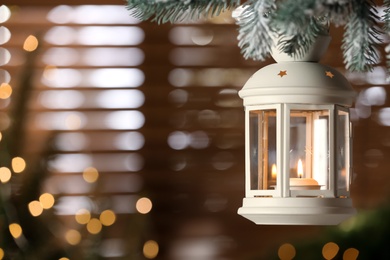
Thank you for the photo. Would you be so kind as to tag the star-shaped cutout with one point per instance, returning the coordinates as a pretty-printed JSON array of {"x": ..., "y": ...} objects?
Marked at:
[
  {"x": 282, "y": 73},
  {"x": 329, "y": 74}
]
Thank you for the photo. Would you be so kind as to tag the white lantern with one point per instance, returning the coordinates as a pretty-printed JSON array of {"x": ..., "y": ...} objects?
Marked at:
[{"x": 298, "y": 142}]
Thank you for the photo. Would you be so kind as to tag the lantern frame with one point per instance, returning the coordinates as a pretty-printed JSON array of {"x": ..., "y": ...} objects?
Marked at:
[
  {"x": 298, "y": 86},
  {"x": 282, "y": 186}
]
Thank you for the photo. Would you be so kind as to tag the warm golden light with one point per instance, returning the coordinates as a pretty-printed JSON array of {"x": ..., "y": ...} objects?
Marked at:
[
  {"x": 286, "y": 252},
  {"x": 5, "y": 91},
  {"x": 150, "y": 249},
  {"x": 73, "y": 237},
  {"x": 5, "y": 174},
  {"x": 64, "y": 258},
  {"x": 144, "y": 205},
  {"x": 15, "y": 230},
  {"x": 94, "y": 226},
  {"x": 330, "y": 250},
  {"x": 35, "y": 208},
  {"x": 18, "y": 164},
  {"x": 83, "y": 216},
  {"x": 31, "y": 43},
  {"x": 300, "y": 169},
  {"x": 107, "y": 217},
  {"x": 273, "y": 171},
  {"x": 351, "y": 254},
  {"x": 90, "y": 174},
  {"x": 1, "y": 253},
  {"x": 1, "y": 136},
  {"x": 47, "y": 200}
]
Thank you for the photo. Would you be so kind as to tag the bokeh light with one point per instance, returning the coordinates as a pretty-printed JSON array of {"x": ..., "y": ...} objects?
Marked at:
[
  {"x": 107, "y": 217},
  {"x": 94, "y": 226},
  {"x": 150, "y": 249},
  {"x": 5, "y": 34},
  {"x": 31, "y": 43},
  {"x": 5, "y": 90},
  {"x": 47, "y": 200},
  {"x": 73, "y": 237},
  {"x": 15, "y": 229},
  {"x": 286, "y": 252},
  {"x": 5, "y": 13},
  {"x": 5, "y": 55},
  {"x": 18, "y": 164},
  {"x": 5, "y": 174},
  {"x": 330, "y": 250},
  {"x": 1, "y": 253},
  {"x": 35, "y": 208},
  {"x": 351, "y": 254},
  {"x": 83, "y": 216},
  {"x": 144, "y": 205},
  {"x": 90, "y": 174}
]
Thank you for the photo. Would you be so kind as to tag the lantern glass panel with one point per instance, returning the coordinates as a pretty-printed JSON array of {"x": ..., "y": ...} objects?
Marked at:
[
  {"x": 309, "y": 148},
  {"x": 343, "y": 149},
  {"x": 262, "y": 134}
]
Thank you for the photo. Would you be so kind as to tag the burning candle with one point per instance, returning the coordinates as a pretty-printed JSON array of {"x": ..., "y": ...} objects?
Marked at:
[
  {"x": 273, "y": 171},
  {"x": 301, "y": 183}
]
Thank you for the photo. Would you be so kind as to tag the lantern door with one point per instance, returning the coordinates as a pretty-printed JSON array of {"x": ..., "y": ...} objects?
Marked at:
[
  {"x": 261, "y": 169},
  {"x": 309, "y": 148}
]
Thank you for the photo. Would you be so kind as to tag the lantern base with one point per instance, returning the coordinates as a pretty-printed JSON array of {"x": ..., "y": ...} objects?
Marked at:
[{"x": 297, "y": 211}]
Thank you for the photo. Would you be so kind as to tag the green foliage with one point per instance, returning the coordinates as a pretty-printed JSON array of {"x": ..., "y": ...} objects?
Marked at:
[
  {"x": 297, "y": 28},
  {"x": 361, "y": 36},
  {"x": 386, "y": 27},
  {"x": 255, "y": 33},
  {"x": 163, "y": 11},
  {"x": 299, "y": 22}
]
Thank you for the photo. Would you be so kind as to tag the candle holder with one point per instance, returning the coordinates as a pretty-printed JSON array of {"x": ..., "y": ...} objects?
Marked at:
[{"x": 298, "y": 142}]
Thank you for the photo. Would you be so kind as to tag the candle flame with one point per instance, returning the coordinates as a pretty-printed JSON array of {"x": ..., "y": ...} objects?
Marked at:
[
  {"x": 300, "y": 169},
  {"x": 273, "y": 171}
]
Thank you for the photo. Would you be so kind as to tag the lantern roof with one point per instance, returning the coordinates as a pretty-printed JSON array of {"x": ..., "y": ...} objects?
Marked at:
[{"x": 297, "y": 82}]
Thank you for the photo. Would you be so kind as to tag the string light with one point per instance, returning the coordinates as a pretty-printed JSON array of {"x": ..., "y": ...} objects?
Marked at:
[
  {"x": 18, "y": 164},
  {"x": 91, "y": 174},
  {"x": 107, "y": 218},
  {"x": 73, "y": 237},
  {"x": 15, "y": 229},
  {"x": 5, "y": 90},
  {"x": 94, "y": 226},
  {"x": 150, "y": 249},
  {"x": 351, "y": 254},
  {"x": 31, "y": 43},
  {"x": 286, "y": 252},
  {"x": 330, "y": 250},
  {"x": 83, "y": 216},
  {"x": 47, "y": 200},
  {"x": 144, "y": 205},
  {"x": 5, "y": 174},
  {"x": 35, "y": 208}
]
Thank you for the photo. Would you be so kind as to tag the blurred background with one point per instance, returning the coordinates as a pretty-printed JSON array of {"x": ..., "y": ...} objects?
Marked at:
[{"x": 133, "y": 138}]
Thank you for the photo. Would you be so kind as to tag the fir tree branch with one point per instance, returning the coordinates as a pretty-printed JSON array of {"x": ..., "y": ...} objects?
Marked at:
[
  {"x": 163, "y": 11},
  {"x": 386, "y": 27},
  {"x": 360, "y": 37},
  {"x": 386, "y": 16},
  {"x": 255, "y": 34},
  {"x": 298, "y": 28},
  {"x": 336, "y": 11}
]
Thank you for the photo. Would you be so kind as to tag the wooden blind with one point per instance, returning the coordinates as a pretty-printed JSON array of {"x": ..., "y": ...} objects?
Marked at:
[{"x": 154, "y": 110}]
